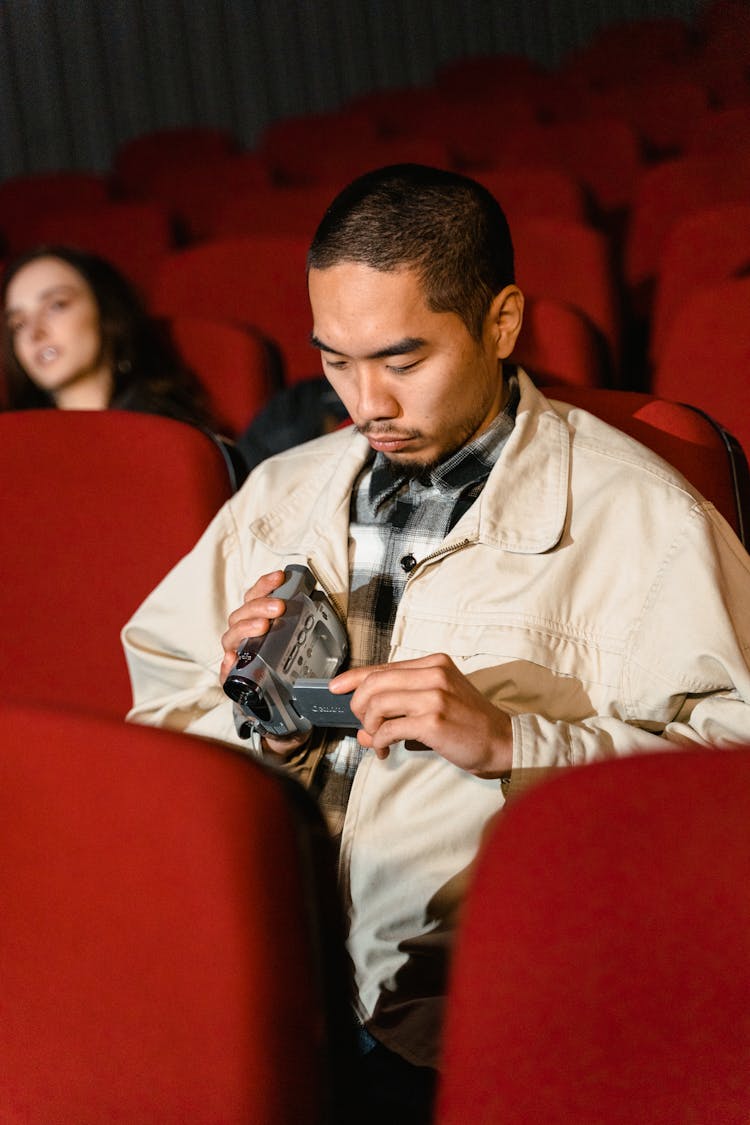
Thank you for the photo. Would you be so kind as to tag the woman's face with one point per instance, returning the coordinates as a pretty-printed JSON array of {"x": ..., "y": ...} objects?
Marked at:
[{"x": 53, "y": 320}]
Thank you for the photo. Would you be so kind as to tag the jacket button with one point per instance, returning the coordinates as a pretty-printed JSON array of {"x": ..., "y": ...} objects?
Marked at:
[{"x": 408, "y": 562}]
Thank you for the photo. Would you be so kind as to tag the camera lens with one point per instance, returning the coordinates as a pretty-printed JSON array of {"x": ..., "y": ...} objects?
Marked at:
[{"x": 249, "y": 697}]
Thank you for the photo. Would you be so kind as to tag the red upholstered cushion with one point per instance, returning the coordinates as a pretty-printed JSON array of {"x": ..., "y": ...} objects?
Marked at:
[
  {"x": 602, "y": 968},
  {"x": 96, "y": 507},
  {"x": 158, "y": 935},
  {"x": 689, "y": 440}
]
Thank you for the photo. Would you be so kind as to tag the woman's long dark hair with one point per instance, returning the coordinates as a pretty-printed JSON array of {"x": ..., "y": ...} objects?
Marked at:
[{"x": 149, "y": 374}]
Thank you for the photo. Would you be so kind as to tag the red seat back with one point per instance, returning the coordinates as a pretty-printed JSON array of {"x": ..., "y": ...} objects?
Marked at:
[
  {"x": 661, "y": 108},
  {"x": 706, "y": 356},
  {"x": 602, "y": 153},
  {"x": 296, "y": 148},
  {"x": 257, "y": 280},
  {"x": 690, "y": 440},
  {"x": 156, "y": 967},
  {"x": 668, "y": 191},
  {"x": 193, "y": 191},
  {"x": 536, "y": 191},
  {"x": 24, "y": 199},
  {"x": 601, "y": 972},
  {"x": 558, "y": 343},
  {"x": 133, "y": 235},
  {"x": 345, "y": 164},
  {"x": 142, "y": 157},
  {"x": 721, "y": 130},
  {"x": 467, "y": 127},
  {"x": 98, "y": 506},
  {"x": 232, "y": 364},
  {"x": 272, "y": 210},
  {"x": 571, "y": 262},
  {"x": 703, "y": 247},
  {"x": 475, "y": 76}
]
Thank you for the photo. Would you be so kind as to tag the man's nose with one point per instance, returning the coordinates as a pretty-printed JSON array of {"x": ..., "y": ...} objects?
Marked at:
[{"x": 375, "y": 399}]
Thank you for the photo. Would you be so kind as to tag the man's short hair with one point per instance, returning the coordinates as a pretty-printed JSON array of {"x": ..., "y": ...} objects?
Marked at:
[{"x": 446, "y": 226}]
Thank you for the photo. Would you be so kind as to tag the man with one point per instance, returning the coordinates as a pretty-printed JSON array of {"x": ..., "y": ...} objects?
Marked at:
[{"x": 523, "y": 588}]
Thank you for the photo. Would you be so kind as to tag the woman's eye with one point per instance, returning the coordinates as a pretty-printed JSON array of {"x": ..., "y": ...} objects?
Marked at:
[{"x": 14, "y": 326}]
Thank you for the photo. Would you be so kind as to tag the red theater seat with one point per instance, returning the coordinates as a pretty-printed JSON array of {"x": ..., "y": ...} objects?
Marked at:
[
  {"x": 667, "y": 192},
  {"x": 23, "y": 199},
  {"x": 131, "y": 234},
  {"x": 271, "y": 210},
  {"x": 601, "y": 971},
  {"x": 559, "y": 343},
  {"x": 570, "y": 262},
  {"x": 603, "y": 153},
  {"x": 233, "y": 365},
  {"x": 704, "y": 247},
  {"x": 142, "y": 157},
  {"x": 98, "y": 506},
  {"x": 691, "y": 441},
  {"x": 168, "y": 935},
  {"x": 253, "y": 280},
  {"x": 706, "y": 355}
]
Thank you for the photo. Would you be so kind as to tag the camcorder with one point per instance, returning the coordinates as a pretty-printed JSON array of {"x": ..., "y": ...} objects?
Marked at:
[{"x": 279, "y": 681}]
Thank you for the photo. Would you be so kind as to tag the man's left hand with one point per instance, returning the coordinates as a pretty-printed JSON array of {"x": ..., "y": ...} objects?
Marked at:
[{"x": 429, "y": 704}]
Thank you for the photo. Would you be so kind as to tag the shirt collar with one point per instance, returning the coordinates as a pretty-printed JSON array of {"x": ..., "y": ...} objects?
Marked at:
[{"x": 469, "y": 465}]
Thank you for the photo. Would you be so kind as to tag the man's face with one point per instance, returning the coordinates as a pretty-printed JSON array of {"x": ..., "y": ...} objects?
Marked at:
[{"x": 415, "y": 382}]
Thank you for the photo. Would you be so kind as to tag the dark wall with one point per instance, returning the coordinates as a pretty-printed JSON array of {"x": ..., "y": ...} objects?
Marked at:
[{"x": 78, "y": 77}]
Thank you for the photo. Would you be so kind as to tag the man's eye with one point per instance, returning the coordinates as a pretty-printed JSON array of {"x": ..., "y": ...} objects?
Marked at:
[
  {"x": 336, "y": 364},
  {"x": 401, "y": 369}
]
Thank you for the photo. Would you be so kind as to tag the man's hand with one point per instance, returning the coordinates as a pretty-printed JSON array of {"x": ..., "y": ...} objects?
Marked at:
[
  {"x": 254, "y": 619},
  {"x": 430, "y": 705}
]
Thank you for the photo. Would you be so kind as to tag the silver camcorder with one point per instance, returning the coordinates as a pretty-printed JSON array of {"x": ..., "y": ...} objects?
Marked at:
[{"x": 279, "y": 681}]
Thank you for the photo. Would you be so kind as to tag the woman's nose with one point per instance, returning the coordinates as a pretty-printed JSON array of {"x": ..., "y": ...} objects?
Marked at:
[{"x": 38, "y": 327}]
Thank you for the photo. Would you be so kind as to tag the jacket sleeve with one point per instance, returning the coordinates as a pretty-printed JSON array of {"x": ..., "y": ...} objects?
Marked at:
[
  {"x": 173, "y": 641},
  {"x": 685, "y": 677}
]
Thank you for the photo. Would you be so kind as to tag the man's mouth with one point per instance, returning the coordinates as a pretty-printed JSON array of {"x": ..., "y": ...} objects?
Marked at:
[{"x": 388, "y": 443}]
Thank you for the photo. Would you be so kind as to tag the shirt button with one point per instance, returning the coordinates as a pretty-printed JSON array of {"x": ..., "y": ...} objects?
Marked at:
[{"x": 408, "y": 562}]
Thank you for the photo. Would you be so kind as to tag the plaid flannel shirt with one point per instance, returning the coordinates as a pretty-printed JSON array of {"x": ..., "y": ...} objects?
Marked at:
[{"x": 396, "y": 519}]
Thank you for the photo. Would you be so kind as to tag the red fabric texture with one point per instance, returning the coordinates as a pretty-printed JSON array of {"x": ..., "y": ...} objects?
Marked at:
[
  {"x": 601, "y": 973},
  {"x": 254, "y": 279},
  {"x": 158, "y": 956},
  {"x": 98, "y": 506},
  {"x": 233, "y": 365},
  {"x": 680, "y": 434},
  {"x": 706, "y": 355}
]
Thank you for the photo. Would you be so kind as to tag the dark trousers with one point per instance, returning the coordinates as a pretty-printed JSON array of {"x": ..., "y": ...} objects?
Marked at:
[{"x": 387, "y": 1090}]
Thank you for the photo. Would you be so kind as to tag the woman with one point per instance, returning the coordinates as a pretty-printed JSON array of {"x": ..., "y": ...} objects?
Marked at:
[{"x": 78, "y": 337}]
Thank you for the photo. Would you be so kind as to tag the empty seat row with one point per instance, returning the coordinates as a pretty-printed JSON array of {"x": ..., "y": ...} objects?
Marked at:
[
  {"x": 140, "y": 905},
  {"x": 139, "y": 899},
  {"x": 239, "y": 313}
]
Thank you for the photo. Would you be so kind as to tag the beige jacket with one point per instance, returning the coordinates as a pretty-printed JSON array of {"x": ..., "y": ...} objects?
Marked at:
[{"x": 589, "y": 591}]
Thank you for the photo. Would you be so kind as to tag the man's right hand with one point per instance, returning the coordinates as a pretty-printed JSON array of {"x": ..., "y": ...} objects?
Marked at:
[{"x": 254, "y": 619}]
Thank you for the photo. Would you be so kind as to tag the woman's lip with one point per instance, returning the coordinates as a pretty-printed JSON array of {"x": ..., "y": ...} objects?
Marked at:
[{"x": 47, "y": 354}]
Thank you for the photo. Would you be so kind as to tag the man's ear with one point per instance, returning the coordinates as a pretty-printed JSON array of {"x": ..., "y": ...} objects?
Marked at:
[{"x": 505, "y": 318}]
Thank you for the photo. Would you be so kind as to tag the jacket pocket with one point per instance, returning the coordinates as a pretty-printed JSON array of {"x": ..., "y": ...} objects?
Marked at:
[{"x": 525, "y": 665}]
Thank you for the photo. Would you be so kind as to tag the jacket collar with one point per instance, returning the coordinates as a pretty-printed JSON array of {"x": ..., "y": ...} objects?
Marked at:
[
  {"x": 524, "y": 505},
  {"x": 522, "y": 508}
]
